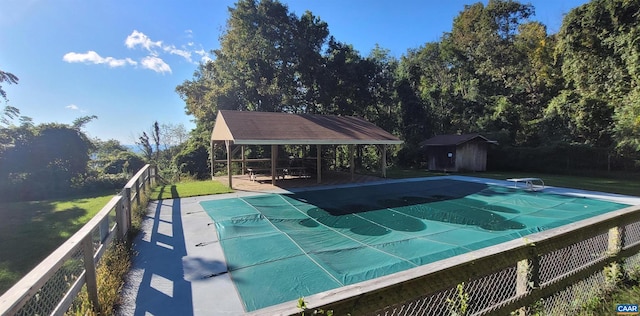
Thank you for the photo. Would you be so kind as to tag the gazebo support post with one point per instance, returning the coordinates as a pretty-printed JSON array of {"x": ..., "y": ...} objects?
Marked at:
[
  {"x": 212, "y": 158},
  {"x": 319, "y": 163},
  {"x": 244, "y": 160},
  {"x": 274, "y": 161},
  {"x": 227, "y": 144},
  {"x": 352, "y": 166},
  {"x": 383, "y": 149}
]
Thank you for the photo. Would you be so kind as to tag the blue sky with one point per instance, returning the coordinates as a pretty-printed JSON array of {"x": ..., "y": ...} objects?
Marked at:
[{"x": 122, "y": 59}]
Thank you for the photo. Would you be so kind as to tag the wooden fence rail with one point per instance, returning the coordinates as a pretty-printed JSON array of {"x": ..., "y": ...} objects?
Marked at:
[{"x": 51, "y": 287}]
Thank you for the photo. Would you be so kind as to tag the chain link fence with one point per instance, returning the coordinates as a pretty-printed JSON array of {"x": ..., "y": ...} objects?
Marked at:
[
  {"x": 554, "y": 272},
  {"x": 574, "y": 274},
  {"x": 50, "y": 288},
  {"x": 47, "y": 298}
]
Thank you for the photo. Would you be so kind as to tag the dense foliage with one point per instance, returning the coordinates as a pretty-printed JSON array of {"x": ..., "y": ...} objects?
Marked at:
[
  {"x": 561, "y": 101},
  {"x": 498, "y": 72}
]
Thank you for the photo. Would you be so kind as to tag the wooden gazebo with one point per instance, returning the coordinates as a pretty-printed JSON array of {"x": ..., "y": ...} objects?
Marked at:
[{"x": 275, "y": 128}]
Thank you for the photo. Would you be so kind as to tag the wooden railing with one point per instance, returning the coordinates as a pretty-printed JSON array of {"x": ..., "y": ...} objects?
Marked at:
[{"x": 50, "y": 288}]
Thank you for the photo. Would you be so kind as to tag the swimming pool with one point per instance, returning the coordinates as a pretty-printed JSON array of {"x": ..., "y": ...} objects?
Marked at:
[{"x": 280, "y": 247}]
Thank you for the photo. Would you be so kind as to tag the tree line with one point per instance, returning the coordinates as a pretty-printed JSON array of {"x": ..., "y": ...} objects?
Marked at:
[
  {"x": 569, "y": 100},
  {"x": 498, "y": 72},
  {"x": 54, "y": 160}
]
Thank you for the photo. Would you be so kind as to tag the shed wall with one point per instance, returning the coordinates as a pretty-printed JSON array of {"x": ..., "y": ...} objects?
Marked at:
[
  {"x": 438, "y": 158},
  {"x": 472, "y": 156}
]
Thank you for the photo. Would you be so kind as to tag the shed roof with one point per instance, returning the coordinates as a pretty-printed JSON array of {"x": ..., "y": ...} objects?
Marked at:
[
  {"x": 275, "y": 128},
  {"x": 452, "y": 140}
]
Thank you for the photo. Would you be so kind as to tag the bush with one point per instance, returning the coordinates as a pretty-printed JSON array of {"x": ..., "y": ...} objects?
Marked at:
[
  {"x": 96, "y": 183},
  {"x": 557, "y": 158},
  {"x": 410, "y": 157},
  {"x": 46, "y": 185},
  {"x": 193, "y": 160}
]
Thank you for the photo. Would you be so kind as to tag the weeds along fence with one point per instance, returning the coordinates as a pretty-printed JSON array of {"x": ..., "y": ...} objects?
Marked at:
[
  {"x": 555, "y": 272},
  {"x": 51, "y": 287}
]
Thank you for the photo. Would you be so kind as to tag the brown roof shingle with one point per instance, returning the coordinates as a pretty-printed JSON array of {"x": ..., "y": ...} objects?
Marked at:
[
  {"x": 451, "y": 140},
  {"x": 255, "y": 128}
]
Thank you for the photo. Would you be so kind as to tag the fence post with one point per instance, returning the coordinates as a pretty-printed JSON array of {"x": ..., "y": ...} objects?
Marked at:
[
  {"x": 127, "y": 202},
  {"x": 90, "y": 272},
  {"x": 528, "y": 276},
  {"x": 155, "y": 175},
  {"x": 615, "y": 241},
  {"x": 121, "y": 220},
  {"x": 137, "y": 186}
]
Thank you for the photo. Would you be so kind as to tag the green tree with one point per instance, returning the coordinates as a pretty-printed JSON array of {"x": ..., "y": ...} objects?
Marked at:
[
  {"x": 269, "y": 60},
  {"x": 8, "y": 112},
  {"x": 193, "y": 157},
  {"x": 597, "y": 45},
  {"x": 44, "y": 161},
  {"x": 111, "y": 157},
  {"x": 383, "y": 110},
  {"x": 486, "y": 51}
]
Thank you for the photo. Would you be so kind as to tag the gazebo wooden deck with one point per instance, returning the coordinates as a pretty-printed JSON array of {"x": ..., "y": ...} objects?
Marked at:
[{"x": 264, "y": 184}]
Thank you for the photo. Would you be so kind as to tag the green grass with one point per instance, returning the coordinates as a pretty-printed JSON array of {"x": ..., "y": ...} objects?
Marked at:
[
  {"x": 187, "y": 189},
  {"x": 614, "y": 184},
  {"x": 30, "y": 231},
  {"x": 610, "y": 183}
]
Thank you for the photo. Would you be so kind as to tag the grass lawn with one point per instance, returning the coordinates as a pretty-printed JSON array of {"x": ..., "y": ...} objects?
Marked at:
[
  {"x": 621, "y": 184},
  {"x": 30, "y": 231},
  {"x": 611, "y": 183},
  {"x": 186, "y": 189}
]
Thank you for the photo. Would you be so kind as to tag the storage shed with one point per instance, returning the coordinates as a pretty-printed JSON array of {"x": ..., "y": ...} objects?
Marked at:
[{"x": 467, "y": 152}]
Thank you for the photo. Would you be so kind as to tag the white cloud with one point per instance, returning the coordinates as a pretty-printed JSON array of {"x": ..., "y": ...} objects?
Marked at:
[
  {"x": 180, "y": 52},
  {"x": 140, "y": 39},
  {"x": 92, "y": 57},
  {"x": 156, "y": 64},
  {"x": 204, "y": 57},
  {"x": 152, "y": 61},
  {"x": 74, "y": 107}
]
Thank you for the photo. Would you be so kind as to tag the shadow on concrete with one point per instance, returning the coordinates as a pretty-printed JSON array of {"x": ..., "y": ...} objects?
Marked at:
[{"x": 163, "y": 289}]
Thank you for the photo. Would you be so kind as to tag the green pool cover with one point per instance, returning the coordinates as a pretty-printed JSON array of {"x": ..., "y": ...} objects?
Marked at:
[{"x": 280, "y": 247}]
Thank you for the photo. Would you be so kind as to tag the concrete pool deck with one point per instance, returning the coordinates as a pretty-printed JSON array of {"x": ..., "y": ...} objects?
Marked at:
[{"x": 180, "y": 268}]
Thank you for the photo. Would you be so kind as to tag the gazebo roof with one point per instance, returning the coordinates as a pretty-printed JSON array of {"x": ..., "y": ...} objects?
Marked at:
[{"x": 275, "y": 128}]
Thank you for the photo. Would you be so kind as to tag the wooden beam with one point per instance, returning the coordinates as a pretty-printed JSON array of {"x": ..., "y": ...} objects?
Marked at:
[
  {"x": 319, "y": 163},
  {"x": 228, "y": 146}
]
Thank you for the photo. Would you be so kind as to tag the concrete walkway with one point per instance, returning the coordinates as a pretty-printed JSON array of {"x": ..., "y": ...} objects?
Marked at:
[{"x": 179, "y": 267}]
